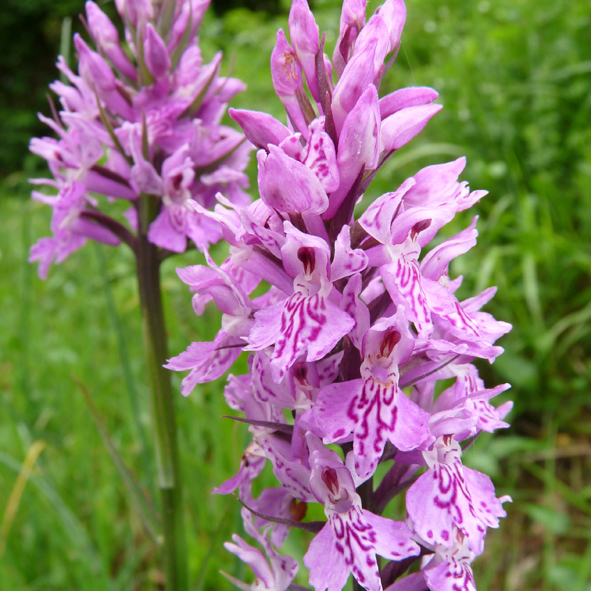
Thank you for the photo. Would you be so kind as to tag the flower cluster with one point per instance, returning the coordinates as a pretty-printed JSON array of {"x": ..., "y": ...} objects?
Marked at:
[
  {"x": 141, "y": 118},
  {"x": 355, "y": 329}
]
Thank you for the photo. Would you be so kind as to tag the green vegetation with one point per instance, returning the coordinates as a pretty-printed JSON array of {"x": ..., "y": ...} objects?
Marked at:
[{"x": 514, "y": 77}]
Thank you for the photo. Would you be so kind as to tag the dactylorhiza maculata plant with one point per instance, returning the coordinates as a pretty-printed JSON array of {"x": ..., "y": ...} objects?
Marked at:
[
  {"x": 355, "y": 330},
  {"x": 140, "y": 123}
]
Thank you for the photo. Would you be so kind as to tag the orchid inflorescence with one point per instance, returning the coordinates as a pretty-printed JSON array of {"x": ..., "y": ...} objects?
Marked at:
[
  {"x": 140, "y": 118},
  {"x": 355, "y": 329}
]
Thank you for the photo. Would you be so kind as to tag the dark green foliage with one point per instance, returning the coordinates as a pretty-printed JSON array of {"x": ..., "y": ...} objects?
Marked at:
[
  {"x": 29, "y": 43},
  {"x": 514, "y": 78}
]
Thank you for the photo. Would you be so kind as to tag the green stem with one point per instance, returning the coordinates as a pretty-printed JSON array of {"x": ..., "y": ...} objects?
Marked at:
[{"x": 162, "y": 404}]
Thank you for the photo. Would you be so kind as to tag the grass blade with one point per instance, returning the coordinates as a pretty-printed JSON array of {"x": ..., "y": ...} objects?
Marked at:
[
  {"x": 17, "y": 492},
  {"x": 142, "y": 503},
  {"x": 74, "y": 530},
  {"x": 125, "y": 365}
]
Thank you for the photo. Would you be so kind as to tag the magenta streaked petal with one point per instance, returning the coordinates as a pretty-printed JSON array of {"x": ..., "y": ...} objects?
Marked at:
[
  {"x": 255, "y": 559},
  {"x": 431, "y": 502},
  {"x": 436, "y": 262},
  {"x": 377, "y": 218},
  {"x": 450, "y": 315},
  {"x": 267, "y": 327},
  {"x": 292, "y": 474},
  {"x": 311, "y": 325},
  {"x": 435, "y": 184},
  {"x": 346, "y": 261},
  {"x": 449, "y": 576},
  {"x": 326, "y": 562},
  {"x": 392, "y": 538},
  {"x": 207, "y": 361},
  {"x": 332, "y": 414},
  {"x": 319, "y": 156},
  {"x": 487, "y": 507},
  {"x": 384, "y": 413},
  {"x": 402, "y": 279}
]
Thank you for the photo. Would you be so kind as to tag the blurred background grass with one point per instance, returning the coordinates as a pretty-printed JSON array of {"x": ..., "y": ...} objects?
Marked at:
[{"x": 514, "y": 77}]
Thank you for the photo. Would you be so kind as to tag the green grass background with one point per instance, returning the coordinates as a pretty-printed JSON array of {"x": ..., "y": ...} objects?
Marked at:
[{"x": 514, "y": 77}]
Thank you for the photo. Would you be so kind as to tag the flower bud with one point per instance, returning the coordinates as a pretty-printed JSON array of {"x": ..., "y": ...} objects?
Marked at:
[
  {"x": 359, "y": 146},
  {"x": 93, "y": 68},
  {"x": 260, "y": 129},
  {"x": 356, "y": 78},
  {"x": 402, "y": 126},
  {"x": 394, "y": 14},
  {"x": 288, "y": 185},
  {"x": 286, "y": 72},
  {"x": 106, "y": 37},
  {"x": 352, "y": 21},
  {"x": 406, "y": 97},
  {"x": 304, "y": 34},
  {"x": 375, "y": 32},
  {"x": 155, "y": 53},
  {"x": 138, "y": 12}
]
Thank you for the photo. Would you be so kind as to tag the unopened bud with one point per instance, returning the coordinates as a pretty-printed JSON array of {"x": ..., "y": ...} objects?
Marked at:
[
  {"x": 155, "y": 53},
  {"x": 93, "y": 68}
]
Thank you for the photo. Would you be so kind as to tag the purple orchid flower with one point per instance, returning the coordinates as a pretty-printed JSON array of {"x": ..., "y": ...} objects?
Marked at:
[
  {"x": 448, "y": 570},
  {"x": 353, "y": 536},
  {"x": 301, "y": 323},
  {"x": 449, "y": 494},
  {"x": 273, "y": 571},
  {"x": 373, "y": 407}
]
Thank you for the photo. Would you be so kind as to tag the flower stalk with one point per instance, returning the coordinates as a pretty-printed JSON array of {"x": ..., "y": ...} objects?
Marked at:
[{"x": 162, "y": 406}]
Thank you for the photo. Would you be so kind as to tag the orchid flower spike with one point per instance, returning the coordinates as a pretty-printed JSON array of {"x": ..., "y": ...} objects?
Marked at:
[{"x": 353, "y": 324}]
